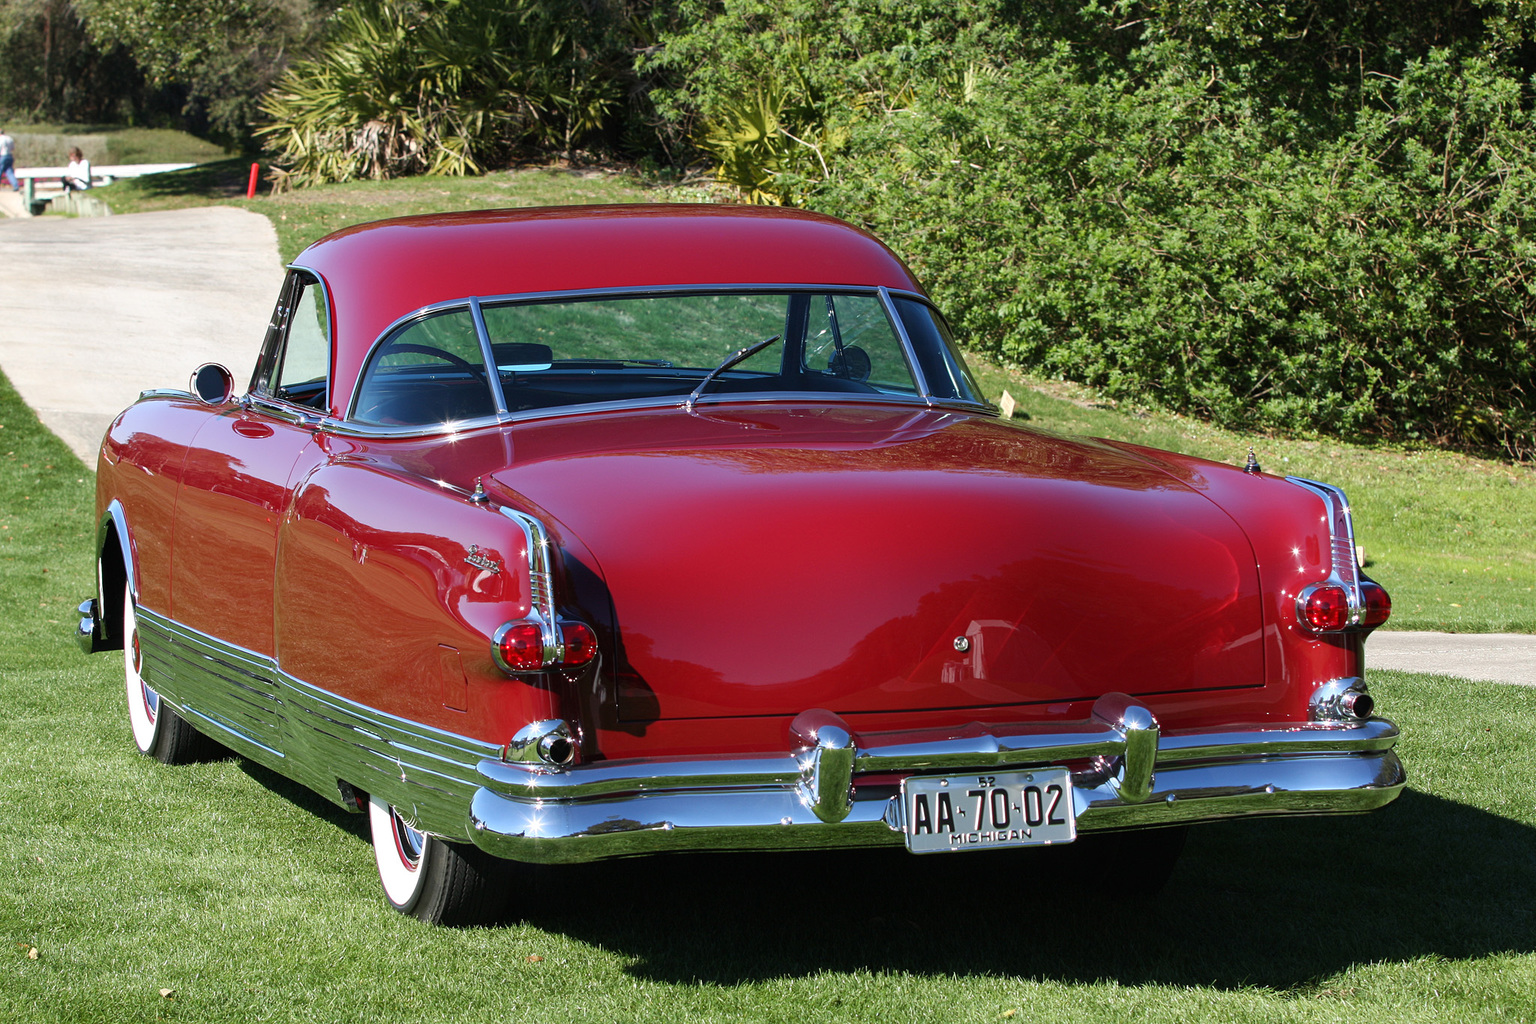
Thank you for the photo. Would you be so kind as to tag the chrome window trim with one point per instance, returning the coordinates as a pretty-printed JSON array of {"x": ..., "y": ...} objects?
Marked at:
[
  {"x": 347, "y": 428},
  {"x": 894, "y": 316},
  {"x": 281, "y": 409},
  {"x": 1344, "y": 569},
  {"x": 269, "y": 397},
  {"x": 488, "y": 357},
  {"x": 474, "y": 304}
]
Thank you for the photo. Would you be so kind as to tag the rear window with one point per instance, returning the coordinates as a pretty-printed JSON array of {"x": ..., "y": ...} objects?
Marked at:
[{"x": 546, "y": 354}]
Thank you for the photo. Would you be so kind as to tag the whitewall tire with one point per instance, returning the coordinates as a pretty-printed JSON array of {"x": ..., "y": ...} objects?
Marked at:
[
  {"x": 158, "y": 730},
  {"x": 433, "y": 880}
]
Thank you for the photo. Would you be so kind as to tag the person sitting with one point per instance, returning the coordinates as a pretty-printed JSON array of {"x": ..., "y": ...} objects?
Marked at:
[{"x": 77, "y": 176}]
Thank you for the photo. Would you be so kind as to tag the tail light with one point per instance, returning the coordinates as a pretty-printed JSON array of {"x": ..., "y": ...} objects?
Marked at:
[
  {"x": 519, "y": 647},
  {"x": 1346, "y": 600},
  {"x": 527, "y": 645},
  {"x": 580, "y": 643},
  {"x": 1323, "y": 609},
  {"x": 1378, "y": 604}
]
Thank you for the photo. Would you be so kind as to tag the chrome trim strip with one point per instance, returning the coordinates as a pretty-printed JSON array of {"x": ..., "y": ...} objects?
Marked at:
[
  {"x": 310, "y": 735},
  {"x": 116, "y": 515},
  {"x": 345, "y": 428}
]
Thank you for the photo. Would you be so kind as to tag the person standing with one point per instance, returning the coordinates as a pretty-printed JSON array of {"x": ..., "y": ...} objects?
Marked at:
[
  {"x": 8, "y": 160},
  {"x": 77, "y": 176}
]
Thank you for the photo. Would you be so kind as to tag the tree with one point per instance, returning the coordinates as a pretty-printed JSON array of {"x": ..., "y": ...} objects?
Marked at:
[{"x": 221, "y": 55}]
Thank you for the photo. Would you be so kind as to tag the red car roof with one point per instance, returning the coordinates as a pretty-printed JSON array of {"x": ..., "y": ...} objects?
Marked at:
[{"x": 377, "y": 273}]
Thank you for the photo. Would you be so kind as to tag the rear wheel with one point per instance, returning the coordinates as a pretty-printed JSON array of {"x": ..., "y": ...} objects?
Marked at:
[
  {"x": 157, "y": 730},
  {"x": 432, "y": 880}
]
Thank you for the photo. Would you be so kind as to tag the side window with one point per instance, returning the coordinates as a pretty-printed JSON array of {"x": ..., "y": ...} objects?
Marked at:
[
  {"x": 307, "y": 355},
  {"x": 430, "y": 371},
  {"x": 943, "y": 365},
  {"x": 295, "y": 360},
  {"x": 849, "y": 336}
]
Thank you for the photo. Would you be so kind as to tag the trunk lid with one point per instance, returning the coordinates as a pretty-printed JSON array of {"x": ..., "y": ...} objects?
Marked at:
[{"x": 863, "y": 558}]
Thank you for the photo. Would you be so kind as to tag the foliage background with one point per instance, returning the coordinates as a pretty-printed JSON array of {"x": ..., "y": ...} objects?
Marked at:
[{"x": 1306, "y": 216}]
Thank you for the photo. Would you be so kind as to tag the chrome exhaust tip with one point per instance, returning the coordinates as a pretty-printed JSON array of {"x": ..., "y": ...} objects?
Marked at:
[{"x": 1342, "y": 700}]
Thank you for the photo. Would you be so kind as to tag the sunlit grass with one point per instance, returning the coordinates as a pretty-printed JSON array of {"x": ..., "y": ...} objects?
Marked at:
[{"x": 301, "y": 216}]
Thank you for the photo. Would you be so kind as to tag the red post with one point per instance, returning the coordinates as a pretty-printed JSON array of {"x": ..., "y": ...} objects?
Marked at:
[{"x": 250, "y": 190}]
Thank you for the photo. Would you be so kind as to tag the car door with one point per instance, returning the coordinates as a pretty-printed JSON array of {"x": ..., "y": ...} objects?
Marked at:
[{"x": 239, "y": 476}]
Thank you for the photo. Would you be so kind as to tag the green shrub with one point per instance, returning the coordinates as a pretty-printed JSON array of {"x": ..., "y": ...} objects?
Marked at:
[
  {"x": 438, "y": 87},
  {"x": 1162, "y": 244},
  {"x": 1188, "y": 203}
]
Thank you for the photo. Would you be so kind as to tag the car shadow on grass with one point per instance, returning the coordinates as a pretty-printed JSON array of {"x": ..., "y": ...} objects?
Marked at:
[{"x": 1273, "y": 903}]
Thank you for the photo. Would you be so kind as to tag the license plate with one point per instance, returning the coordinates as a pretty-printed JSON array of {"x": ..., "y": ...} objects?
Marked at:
[{"x": 980, "y": 812}]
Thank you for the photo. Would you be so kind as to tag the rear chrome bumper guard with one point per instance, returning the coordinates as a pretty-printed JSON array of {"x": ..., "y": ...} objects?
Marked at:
[{"x": 838, "y": 789}]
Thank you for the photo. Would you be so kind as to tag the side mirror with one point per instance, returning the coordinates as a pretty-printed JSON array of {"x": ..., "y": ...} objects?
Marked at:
[
  {"x": 213, "y": 384},
  {"x": 850, "y": 363}
]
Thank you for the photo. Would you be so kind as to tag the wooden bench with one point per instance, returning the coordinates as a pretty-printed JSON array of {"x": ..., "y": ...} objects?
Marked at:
[{"x": 106, "y": 174}]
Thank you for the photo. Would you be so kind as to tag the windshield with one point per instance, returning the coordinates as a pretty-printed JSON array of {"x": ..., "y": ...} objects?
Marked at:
[{"x": 549, "y": 354}]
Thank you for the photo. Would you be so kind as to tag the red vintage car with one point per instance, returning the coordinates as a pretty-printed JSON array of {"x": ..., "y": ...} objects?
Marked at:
[{"x": 564, "y": 534}]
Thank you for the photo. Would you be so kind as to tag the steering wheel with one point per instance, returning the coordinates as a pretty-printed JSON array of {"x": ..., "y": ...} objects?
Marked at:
[{"x": 432, "y": 350}]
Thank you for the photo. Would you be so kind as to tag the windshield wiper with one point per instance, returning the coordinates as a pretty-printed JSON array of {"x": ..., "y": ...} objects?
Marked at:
[{"x": 730, "y": 361}]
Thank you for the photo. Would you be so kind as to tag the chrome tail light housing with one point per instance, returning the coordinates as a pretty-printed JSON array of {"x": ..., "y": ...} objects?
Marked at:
[{"x": 1345, "y": 601}]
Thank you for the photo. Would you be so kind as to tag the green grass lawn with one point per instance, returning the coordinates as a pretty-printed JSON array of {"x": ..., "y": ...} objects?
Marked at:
[
  {"x": 242, "y": 897},
  {"x": 303, "y": 215}
]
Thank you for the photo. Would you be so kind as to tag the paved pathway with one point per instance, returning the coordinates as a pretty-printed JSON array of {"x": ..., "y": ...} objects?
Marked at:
[
  {"x": 1498, "y": 657},
  {"x": 95, "y": 310}
]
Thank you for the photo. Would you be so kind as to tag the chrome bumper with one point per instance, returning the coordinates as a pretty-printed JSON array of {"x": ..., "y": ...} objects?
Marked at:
[
  {"x": 838, "y": 789},
  {"x": 89, "y": 633}
]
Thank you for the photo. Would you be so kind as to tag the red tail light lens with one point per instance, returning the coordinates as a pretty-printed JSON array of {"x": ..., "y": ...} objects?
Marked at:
[
  {"x": 1323, "y": 609},
  {"x": 580, "y": 643},
  {"x": 519, "y": 647},
  {"x": 1378, "y": 604}
]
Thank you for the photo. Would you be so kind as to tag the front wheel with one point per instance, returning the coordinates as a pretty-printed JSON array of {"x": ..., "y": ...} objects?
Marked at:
[
  {"x": 432, "y": 880},
  {"x": 157, "y": 729}
]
